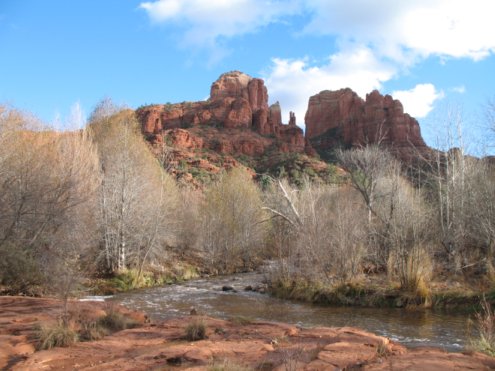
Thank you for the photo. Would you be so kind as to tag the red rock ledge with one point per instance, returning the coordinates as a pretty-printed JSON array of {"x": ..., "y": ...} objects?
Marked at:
[{"x": 256, "y": 345}]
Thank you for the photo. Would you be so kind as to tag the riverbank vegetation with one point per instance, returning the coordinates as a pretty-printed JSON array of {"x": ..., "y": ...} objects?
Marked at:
[{"x": 97, "y": 205}]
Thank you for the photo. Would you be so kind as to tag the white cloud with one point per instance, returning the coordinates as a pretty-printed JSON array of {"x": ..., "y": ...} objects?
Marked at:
[
  {"x": 402, "y": 30},
  {"x": 292, "y": 82},
  {"x": 461, "y": 89},
  {"x": 376, "y": 40},
  {"x": 418, "y": 101},
  {"x": 205, "y": 21}
]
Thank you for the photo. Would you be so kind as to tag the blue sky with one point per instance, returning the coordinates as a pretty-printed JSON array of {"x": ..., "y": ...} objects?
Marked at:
[{"x": 59, "y": 56}]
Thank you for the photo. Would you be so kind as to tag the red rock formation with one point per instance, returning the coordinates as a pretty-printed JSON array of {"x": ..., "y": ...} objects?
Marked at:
[
  {"x": 253, "y": 345},
  {"x": 342, "y": 117},
  {"x": 292, "y": 120},
  {"x": 236, "y": 120},
  {"x": 183, "y": 139},
  {"x": 237, "y": 101}
]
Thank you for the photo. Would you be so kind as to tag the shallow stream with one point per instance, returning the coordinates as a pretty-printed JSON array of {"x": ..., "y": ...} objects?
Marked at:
[{"x": 412, "y": 328}]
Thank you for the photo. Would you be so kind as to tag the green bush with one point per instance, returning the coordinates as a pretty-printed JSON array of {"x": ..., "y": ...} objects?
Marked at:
[{"x": 128, "y": 280}]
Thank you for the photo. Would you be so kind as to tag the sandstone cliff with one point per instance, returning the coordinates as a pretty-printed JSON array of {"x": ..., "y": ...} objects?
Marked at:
[
  {"x": 236, "y": 125},
  {"x": 237, "y": 101},
  {"x": 342, "y": 118}
]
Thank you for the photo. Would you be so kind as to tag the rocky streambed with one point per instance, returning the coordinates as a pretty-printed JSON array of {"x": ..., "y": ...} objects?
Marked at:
[
  {"x": 226, "y": 297},
  {"x": 229, "y": 345}
]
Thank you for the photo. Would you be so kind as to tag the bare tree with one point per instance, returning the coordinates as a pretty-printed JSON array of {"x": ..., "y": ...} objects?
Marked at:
[
  {"x": 367, "y": 166},
  {"x": 137, "y": 197},
  {"x": 348, "y": 235},
  {"x": 410, "y": 238},
  {"x": 47, "y": 185},
  {"x": 326, "y": 235},
  {"x": 479, "y": 215},
  {"x": 490, "y": 117},
  {"x": 232, "y": 232},
  {"x": 104, "y": 109},
  {"x": 375, "y": 174},
  {"x": 449, "y": 180}
]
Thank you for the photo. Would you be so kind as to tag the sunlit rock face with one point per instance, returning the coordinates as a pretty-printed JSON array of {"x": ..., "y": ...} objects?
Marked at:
[
  {"x": 237, "y": 120},
  {"x": 342, "y": 118},
  {"x": 237, "y": 101}
]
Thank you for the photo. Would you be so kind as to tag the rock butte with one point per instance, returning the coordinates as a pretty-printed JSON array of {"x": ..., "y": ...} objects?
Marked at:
[
  {"x": 238, "y": 111},
  {"x": 342, "y": 118},
  {"x": 258, "y": 345},
  {"x": 240, "y": 121}
]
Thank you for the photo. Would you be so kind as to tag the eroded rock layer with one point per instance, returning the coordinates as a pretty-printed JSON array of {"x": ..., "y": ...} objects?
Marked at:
[
  {"x": 237, "y": 102},
  {"x": 237, "y": 125},
  {"x": 342, "y": 118}
]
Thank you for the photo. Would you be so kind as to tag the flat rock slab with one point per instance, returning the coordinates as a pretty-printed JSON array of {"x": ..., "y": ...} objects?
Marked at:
[{"x": 256, "y": 345}]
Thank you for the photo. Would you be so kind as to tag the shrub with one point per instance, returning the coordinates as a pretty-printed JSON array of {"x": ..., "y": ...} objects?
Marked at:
[
  {"x": 115, "y": 321},
  {"x": 231, "y": 231},
  {"x": 124, "y": 280},
  {"x": 414, "y": 271},
  {"x": 382, "y": 349},
  {"x": 18, "y": 270},
  {"x": 91, "y": 331},
  {"x": 485, "y": 326},
  {"x": 196, "y": 330},
  {"x": 57, "y": 335}
]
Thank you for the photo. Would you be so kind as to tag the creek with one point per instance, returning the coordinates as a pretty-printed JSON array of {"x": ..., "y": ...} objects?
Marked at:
[{"x": 412, "y": 328}]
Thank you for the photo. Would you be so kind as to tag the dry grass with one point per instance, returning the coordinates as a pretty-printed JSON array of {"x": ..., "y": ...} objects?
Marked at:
[
  {"x": 485, "y": 327},
  {"x": 115, "y": 321},
  {"x": 414, "y": 271},
  {"x": 227, "y": 365},
  {"x": 382, "y": 349},
  {"x": 196, "y": 330},
  {"x": 241, "y": 320},
  {"x": 56, "y": 335},
  {"x": 91, "y": 331}
]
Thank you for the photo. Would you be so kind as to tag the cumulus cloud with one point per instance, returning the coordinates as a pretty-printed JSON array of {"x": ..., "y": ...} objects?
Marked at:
[
  {"x": 374, "y": 40},
  {"x": 407, "y": 29},
  {"x": 205, "y": 21},
  {"x": 418, "y": 101},
  {"x": 401, "y": 30},
  {"x": 292, "y": 82}
]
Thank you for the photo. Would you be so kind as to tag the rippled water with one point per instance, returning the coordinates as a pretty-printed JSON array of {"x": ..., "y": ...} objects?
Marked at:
[{"x": 412, "y": 328}]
